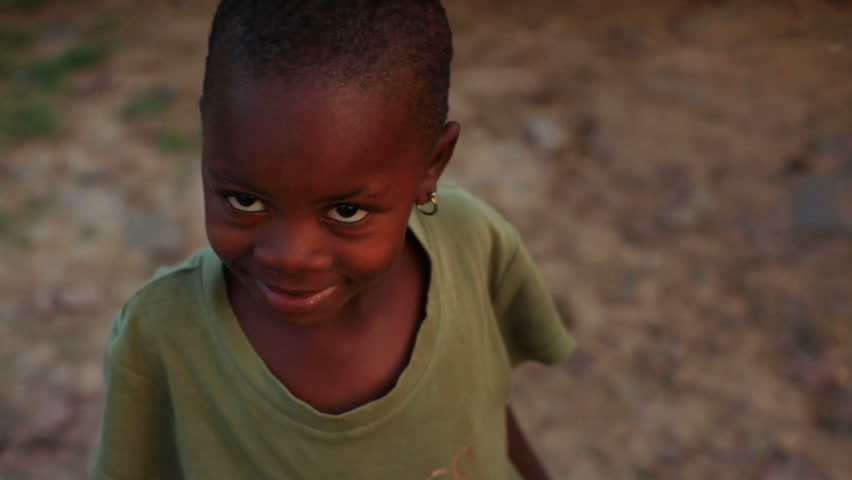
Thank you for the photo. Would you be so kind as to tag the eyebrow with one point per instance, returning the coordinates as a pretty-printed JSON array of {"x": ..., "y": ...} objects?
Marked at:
[
  {"x": 224, "y": 176},
  {"x": 362, "y": 190}
]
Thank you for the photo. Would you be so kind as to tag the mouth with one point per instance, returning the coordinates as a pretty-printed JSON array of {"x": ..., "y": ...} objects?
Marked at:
[{"x": 295, "y": 301}]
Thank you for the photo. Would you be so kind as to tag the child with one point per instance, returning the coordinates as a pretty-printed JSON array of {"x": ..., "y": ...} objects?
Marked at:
[{"x": 331, "y": 331}]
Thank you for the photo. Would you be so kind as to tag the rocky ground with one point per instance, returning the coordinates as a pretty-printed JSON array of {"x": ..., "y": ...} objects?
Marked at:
[{"x": 681, "y": 171}]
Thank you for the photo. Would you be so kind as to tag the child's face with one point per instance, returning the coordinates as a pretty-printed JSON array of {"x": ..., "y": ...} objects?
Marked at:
[{"x": 308, "y": 190}]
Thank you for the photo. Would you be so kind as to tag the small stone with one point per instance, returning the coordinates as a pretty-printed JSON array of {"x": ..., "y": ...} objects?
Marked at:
[
  {"x": 8, "y": 414},
  {"x": 49, "y": 421},
  {"x": 42, "y": 300},
  {"x": 82, "y": 166},
  {"x": 518, "y": 173},
  {"x": 81, "y": 298},
  {"x": 680, "y": 218},
  {"x": 154, "y": 232},
  {"x": 624, "y": 41},
  {"x": 497, "y": 81},
  {"x": 789, "y": 441},
  {"x": 689, "y": 212},
  {"x": 511, "y": 154},
  {"x": 90, "y": 380},
  {"x": 33, "y": 359},
  {"x": 544, "y": 134},
  {"x": 835, "y": 47},
  {"x": 815, "y": 206}
]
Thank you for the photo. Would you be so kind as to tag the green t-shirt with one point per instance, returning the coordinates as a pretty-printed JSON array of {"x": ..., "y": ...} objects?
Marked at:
[{"x": 188, "y": 397}]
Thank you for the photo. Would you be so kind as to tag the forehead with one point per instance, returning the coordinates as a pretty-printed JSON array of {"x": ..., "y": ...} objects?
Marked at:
[{"x": 273, "y": 126}]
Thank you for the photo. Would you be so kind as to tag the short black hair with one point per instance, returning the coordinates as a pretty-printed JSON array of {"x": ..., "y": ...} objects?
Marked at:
[{"x": 341, "y": 41}]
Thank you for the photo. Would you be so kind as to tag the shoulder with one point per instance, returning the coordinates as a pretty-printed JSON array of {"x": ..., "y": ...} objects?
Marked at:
[
  {"x": 166, "y": 303},
  {"x": 472, "y": 235},
  {"x": 469, "y": 219},
  {"x": 170, "y": 287}
]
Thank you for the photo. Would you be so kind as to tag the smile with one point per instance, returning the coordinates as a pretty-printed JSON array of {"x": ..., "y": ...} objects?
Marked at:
[{"x": 292, "y": 301}]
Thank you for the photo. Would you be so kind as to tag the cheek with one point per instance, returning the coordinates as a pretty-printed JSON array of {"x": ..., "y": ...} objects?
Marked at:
[
  {"x": 367, "y": 265},
  {"x": 369, "y": 259},
  {"x": 228, "y": 242}
]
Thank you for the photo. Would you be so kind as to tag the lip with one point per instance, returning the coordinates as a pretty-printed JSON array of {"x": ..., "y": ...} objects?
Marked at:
[{"x": 295, "y": 301}]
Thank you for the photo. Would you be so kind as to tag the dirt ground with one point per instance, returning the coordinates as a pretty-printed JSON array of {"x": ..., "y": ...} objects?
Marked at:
[{"x": 680, "y": 170}]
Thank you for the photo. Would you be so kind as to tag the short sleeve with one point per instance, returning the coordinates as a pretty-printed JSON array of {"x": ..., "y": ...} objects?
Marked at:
[
  {"x": 135, "y": 437},
  {"x": 531, "y": 325}
]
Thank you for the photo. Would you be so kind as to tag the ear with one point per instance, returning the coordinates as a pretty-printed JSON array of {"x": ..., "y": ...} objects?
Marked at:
[{"x": 441, "y": 154}]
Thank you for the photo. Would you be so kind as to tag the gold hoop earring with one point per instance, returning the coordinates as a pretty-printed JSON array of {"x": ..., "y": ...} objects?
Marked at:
[{"x": 433, "y": 199}]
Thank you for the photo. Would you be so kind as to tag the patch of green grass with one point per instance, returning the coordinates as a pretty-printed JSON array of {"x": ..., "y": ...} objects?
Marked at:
[
  {"x": 23, "y": 120},
  {"x": 5, "y": 221},
  {"x": 11, "y": 232},
  {"x": 27, "y": 108},
  {"x": 104, "y": 23},
  {"x": 88, "y": 233},
  {"x": 51, "y": 72},
  {"x": 148, "y": 102},
  {"x": 15, "y": 225},
  {"x": 31, "y": 87},
  {"x": 23, "y": 5},
  {"x": 807, "y": 333},
  {"x": 172, "y": 140},
  {"x": 12, "y": 38},
  {"x": 12, "y": 42},
  {"x": 35, "y": 207},
  {"x": 7, "y": 64}
]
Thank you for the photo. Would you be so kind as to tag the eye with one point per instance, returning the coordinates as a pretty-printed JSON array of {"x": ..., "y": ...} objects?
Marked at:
[
  {"x": 245, "y": 202},
  {"x": 347, "y": 213}
]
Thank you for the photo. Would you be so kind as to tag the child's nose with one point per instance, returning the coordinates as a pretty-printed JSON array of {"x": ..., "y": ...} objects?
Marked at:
[{"x": 292, "y": 247}]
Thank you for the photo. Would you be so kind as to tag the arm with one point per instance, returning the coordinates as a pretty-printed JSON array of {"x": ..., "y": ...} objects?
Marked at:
[
  {"x": 520, "y": 452},
  {"x": 134, "y": 441},
  {"x": 136, "y": 432}
]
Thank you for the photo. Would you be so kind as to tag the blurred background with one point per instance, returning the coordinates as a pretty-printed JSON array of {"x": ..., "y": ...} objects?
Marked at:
[{"x": 681, "y": 171}]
